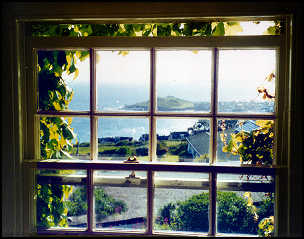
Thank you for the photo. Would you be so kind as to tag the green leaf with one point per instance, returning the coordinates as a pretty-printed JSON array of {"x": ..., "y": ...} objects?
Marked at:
[{"x": 219, "y": 30}]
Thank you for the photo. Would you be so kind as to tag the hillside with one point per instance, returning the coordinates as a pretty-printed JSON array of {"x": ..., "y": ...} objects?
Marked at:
[{"x": 169, "y": 103}]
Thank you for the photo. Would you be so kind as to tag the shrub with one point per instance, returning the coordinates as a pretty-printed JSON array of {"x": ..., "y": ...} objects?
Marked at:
[
  {"x": 161, "y": 149},
  {"x": 192, "y": 214},
  {"x": 142, "y": 151},
  {"x": 180, "y": 150},
  {"x": 85, "y": 144},
  {"x": 233, "y": 214},
  {"x": 105, "y": 205}
]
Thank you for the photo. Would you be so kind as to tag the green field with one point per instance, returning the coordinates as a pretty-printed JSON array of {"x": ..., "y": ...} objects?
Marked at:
[{"x": 112, "y": 151}]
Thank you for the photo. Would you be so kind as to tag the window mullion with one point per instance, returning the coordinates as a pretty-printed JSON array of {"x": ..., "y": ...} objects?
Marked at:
[
  {"x": 152, "y": 141},
  {"x": 152, "y": 106},
  {"x": 212, "y": 203},
  {"x": 214, "y": 101},
  {"x": 213, "y": 134},
  {"x": 94, "y": 145},
  {"x": 93, "y": 97}
]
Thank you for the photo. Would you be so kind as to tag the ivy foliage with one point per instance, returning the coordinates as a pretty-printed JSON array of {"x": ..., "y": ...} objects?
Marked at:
[{"x": 254, "y": 147}]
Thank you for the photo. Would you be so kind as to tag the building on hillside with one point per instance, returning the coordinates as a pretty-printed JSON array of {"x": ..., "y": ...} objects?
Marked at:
[
  {"x": 178, "y": 135},
  {"x": 247, "y": 126},
  {"x": 198, "y": 143}
]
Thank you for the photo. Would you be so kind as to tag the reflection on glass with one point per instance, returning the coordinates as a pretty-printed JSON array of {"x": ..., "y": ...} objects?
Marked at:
[
  {"x": 181, "y": 203},
  {"x": 245, "y": 142},
  {"x": 120, "y": 138},
  {"x": 61, "y": 204},
  {"x": 241, "y": 74},
  {"x": 63, "y": 80},
  {"x": 183, "y": 80},
  {"x": 183, "y": 140},
  {"x": 120, "y": 200},
  {"x": 123, "y": 79},
  {"x": 64, "y": 137},
  {"x": 243, "y": 212}
]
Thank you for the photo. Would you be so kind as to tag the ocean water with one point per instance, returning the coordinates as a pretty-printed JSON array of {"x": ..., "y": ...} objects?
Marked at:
[{"x": 135, "y": 127}]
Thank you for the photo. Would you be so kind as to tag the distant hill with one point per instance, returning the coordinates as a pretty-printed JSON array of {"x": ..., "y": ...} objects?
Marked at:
[{"x": 169, "y": 103}]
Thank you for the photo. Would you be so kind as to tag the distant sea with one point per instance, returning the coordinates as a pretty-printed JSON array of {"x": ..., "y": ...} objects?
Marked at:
[{"x": 129, "y": 127}]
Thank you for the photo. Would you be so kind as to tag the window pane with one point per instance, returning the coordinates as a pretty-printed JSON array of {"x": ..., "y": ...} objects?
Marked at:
[
  {"x": 120, "y": 200},
  {"x": 241, "y": 74},
  {"x": 183, "y": 80},
  {"x": 245, "y": 142},
  {"x": 243, "y": 211},
  {"x": 61, "y": 199},
  {"x": 64, "y": 80},
  {"x": 64, "y": 137},
  {"x": 123, "y": 79},
  {"x": 183, "y": 140},
  {"x": 181, "y": 203},
  {"x": 120, "y": 138}
]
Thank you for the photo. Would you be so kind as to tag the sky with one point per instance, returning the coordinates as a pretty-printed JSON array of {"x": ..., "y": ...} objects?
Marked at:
[{"x": 183, "y": 74}]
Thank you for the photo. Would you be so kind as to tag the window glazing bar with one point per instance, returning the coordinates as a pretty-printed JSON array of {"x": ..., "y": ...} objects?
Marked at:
[
  {"x": 93, "y": 118},
  {"x": 155, "y": 166},
  {"x": 252, "y": 42}
]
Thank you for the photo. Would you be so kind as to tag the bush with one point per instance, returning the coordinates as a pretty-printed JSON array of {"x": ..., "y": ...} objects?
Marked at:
[
  {"x": 192, "y": 214},
  {"x": 121, "y": 151},
  {"x": 105, "y": 205},
  {"x": 180, "y": 150},
  {"x": 233, "y": 214},
  {"x": 161, "y": 149},
  {"x": 142, "y": 151},
  {"x": 85, "y": 144}
]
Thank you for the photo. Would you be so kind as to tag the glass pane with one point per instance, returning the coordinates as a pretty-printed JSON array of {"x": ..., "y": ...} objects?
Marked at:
[
  {"x": 120, "y": 200},
  {"x": 63, "y": 80},
  {"x": 252, "y": 28},
  {"x": 242, "y": 74},
  {"x": 183, "y": 80},
  {"x": 64, "y": 137},
  {"x": 123, "y": 79},
  {"x": 245, "y": 212},
  {"x": 181, "y": 203},
  {"x": 61, "y": 199},
  {"x": 245, "y": 142},
  {"x": 183, "y": 140},
  {"x": 120, "y": 138}
]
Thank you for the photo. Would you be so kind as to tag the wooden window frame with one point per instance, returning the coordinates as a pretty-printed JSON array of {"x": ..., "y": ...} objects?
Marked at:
[{"x": 214, "y": 43}]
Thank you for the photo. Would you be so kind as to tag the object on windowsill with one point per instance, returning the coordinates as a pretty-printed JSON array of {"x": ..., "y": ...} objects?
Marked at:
[
  {"x": 131, "y": 160},
  {"x": 132, "y": 179}
]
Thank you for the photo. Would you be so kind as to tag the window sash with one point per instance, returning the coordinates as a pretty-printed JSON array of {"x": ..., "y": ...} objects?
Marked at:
[{"x": 94, "y": 43}]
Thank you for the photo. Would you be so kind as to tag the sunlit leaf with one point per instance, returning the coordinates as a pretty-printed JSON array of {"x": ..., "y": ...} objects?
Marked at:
[
  {"x": 219, "y": 30},
  {"x": 76, "y": 73},
  {"x": 232, "y": 28},
  {"x": 123, "y": 53},
  {"x": 56, "y": 105}
]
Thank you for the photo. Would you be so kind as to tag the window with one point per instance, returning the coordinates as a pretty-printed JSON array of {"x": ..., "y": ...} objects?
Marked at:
[{"x": 182, "y": 106}]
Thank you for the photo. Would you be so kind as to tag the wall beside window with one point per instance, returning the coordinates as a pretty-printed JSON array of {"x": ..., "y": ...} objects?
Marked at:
[{"x": 15, "y": 208}]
